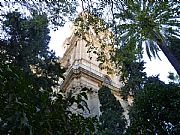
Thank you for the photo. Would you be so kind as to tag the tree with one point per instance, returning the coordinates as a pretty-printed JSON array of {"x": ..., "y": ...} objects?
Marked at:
[
  {"x": 129, "y": 63},
  {"x": 26, "y": 46},
  {"x": 112, "y": 120},
  {"x": 174, "y": 47},
  {"x": 58, "y": 11},
  {"x": 144, "y": 21},
  {"x": 155, "y": 109},
  {"x": 28, "y": 104},
  {"x": 27, "y": 109},
  {"x": 174, "y": 78}
]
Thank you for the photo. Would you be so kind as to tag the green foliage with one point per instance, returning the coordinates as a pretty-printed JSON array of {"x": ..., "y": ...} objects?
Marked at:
[
  {"x": 133, "y": 78},
  {"x": 156, "y": 109},
  {"x": 27, "y": 109},
  {"x": 145, "y": 21},
  {"x": 139, "y": 20},
  {"x": 98, "y": 40},
  {"x": 28, "y": 73},
  {"x": 134, "y": 24},
  {"x": 27, "y": 37},
  {"x": 58, "y": 11},
  {"x": 150, "y": 22},
  {"x": 26, "y": 46},
  {"x": 128, "y": 62},
  {"x": 174, "y": 78},
  {"x": 112, "y": 121}
]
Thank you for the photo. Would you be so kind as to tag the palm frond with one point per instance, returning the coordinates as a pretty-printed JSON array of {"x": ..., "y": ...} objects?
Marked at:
[
  {"x": 154, "y": 49},
  {"x": 147, "y": 49}
]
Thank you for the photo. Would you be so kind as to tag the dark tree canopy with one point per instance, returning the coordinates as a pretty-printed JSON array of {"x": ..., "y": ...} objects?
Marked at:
[
  {"x": 155, "y": 109},
  {"x": 129, "y": 63},
  {"x": 112, "y": 121},
  {"x": 28, "y": 110},
  {"x": 28, "y": 74},
  {"x": 26, "y": 38},
  {"x": 26, "y": 46}
]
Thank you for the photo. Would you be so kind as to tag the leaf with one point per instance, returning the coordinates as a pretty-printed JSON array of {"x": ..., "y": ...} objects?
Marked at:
[
  {"x": 147, "y": 50},
  {"x": 152, "y": 48}
]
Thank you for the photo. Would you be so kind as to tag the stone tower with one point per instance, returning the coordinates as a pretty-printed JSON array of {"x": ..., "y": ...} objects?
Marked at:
[{"x": 83, "y": 70}]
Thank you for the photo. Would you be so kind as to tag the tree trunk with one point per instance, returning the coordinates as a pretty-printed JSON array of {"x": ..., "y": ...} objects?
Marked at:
[{"x": 174, "y": 62}]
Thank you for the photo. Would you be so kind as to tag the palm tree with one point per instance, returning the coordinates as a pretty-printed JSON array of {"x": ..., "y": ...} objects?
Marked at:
[{"x": 148, "y": 22}]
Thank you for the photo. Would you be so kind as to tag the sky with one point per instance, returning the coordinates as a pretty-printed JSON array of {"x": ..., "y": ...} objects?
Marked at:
[
  {"x": 58, "y": 37},
  {"x": 153, "y": 67}
]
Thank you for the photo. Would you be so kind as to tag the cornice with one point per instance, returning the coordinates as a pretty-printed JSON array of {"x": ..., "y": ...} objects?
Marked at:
[
  {"x": 82, "y": 72},
  {"x": 77, "y": 73}
]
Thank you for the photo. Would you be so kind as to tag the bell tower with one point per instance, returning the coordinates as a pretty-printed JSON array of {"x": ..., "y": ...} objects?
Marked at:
[{"x": 83, "y": 70}]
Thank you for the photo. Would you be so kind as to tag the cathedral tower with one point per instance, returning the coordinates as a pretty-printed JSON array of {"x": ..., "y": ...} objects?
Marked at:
[
  {"x": 83, "y": 68},
  {"x": 83, "y": 71}
]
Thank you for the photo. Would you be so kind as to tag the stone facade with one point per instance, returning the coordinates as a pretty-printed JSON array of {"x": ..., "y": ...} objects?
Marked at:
[{"x": 83, "y": 71}]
